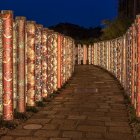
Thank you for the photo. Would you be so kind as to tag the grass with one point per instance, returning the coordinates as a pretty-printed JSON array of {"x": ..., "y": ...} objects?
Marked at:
[{"x": 133, "y": 120}]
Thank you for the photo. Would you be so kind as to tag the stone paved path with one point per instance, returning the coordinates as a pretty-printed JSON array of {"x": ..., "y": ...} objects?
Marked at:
[{"x": 90, "y": 108}]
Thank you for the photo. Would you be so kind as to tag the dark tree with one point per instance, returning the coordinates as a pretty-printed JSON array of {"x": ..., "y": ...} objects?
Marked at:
[{"x": 77, "y": 32}]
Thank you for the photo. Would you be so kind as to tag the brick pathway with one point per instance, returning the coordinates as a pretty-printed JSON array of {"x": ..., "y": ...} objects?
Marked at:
[{"x": 90, "y": 108}]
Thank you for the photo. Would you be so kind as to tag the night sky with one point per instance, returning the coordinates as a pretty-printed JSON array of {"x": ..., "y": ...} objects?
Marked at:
[{"x": 87, "y": 13}]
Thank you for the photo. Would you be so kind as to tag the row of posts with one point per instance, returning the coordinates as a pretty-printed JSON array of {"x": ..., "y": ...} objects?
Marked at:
[
  {"x": 34, "y": 63},
  {"x": 121, "y": 57}
]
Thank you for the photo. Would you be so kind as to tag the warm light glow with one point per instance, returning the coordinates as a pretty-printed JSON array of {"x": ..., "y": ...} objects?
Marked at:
[
  {"x": 7, "y": 36},
  {"x": 44, "y": 63},
  {"x": 20, "y": 22},
  {"x": 38, "y": 68},
  {"x": 1, "y": 83},
  {"x": 35, "y": 62},
  {"x": 30, "y": 63}
]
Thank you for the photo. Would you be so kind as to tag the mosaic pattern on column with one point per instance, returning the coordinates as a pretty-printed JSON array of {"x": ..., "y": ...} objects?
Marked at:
[
  {"x": 62, "y": 56},
  {"x": 7, "y": 37},
  {"x": 55, "y": 41},
  {"x": 38, "y": 70},
  {"x": 79, "y": 57},
  {"x": 50, "y": 62},
  {"x": 71, "y": 57},
  {"x": 59, "y": 62},
  {"x": 134, "y": 67},
  {"x": 138, "y": 74},
  {"x": 74, "y": 55},
  {"x": 1, "y": 54},
  {"x": 21, "y": 21},
  {"x": 64, "y": 60},
  {"x": 15, "y": 64},
  {"x": 90, "y": 54},
  {"x": 30, "y": 27},
  {"x": 44, "y": 63}
]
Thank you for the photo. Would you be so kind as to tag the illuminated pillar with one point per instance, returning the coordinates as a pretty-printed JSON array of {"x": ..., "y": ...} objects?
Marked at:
[
  {"x": 79, "y": 61},
  {"x": 95, "y": 53},
  {"x": 71, "y": 57},
  {"x": 108, "y": 44},
  {"x": 20, "y": 22},
  {"x": 7, "y": 41},
  {"x": 38, "y": 70},
  {"x": 135, "y": 58},
  {"x": 92, "y": 54},
  {"x": 50, "y": 62},
  {"x": 133, "y": 65},
  {"x": 89, "y": 55},
  {"x": 15, "y": 65},
  {"x": 44, "y": 63},
  {"x": 30, "y": 28},
  {"x": 59, "y": 62},
  {"x": 85, "y": 54},
  {"x": 1, "y": 57},
  {"x": 55, "y": 74},
  {"x": 138, "y": 74},
  {"x": 74, "y": 54},
  {"x": 64, "y": 60},
  {"x": 62, "y": 64}
]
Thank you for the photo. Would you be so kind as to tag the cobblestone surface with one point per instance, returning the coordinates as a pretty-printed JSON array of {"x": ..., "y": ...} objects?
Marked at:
[{"x": 91, "y": 107}]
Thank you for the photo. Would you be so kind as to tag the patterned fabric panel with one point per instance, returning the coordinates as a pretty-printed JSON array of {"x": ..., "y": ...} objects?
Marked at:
[
  {"x": 1, "y": 84},
  {"x": 7, "y": 40},
  {"x": 38, "y": 66},
  {"x": 30, "y": 63}
]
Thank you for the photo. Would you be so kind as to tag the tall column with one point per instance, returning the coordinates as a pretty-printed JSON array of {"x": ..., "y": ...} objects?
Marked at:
[
  {"x": 64, "y": 60},
  {"x": 38, "y": 78},
  {"x": 135, "y": 58},
  {"x": 55, "y": 74},
  {"x": 92, "y": 54},
  {"x": 79, "y": 55},
  {"x": 62, "y": 56},
  {"x": 59, "y": 62},
  {"x": 7, "y": 40},
  {"x": 20, "y": 22},
  {"x": 133, "y": 65},
  {"x": 50, "y": 62},
  {"x": 1, "y": 57},
  {"x": 138, "y": 74},
  {"x": 74, "y": 55},
  {"x": 15, "y": 96},
  {"x": 44, "y": 63},
  {"x": 30, "y": 28},
  {"x": 85, "y": 54}
]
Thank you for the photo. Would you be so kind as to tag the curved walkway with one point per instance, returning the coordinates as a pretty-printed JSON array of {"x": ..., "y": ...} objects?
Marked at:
[{"x": 90, "y": 108}]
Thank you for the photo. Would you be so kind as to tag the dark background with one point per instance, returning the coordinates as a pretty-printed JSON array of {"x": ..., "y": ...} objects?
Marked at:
[{"x": 87, "y": 13}]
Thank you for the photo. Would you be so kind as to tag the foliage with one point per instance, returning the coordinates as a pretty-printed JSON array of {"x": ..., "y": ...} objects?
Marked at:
[
  {"x": 81, "y": 35},
  {"x": 115, "y": 28}
]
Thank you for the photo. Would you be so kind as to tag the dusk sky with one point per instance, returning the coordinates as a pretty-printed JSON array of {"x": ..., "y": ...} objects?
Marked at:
[{"x": 87, "y": 13}]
